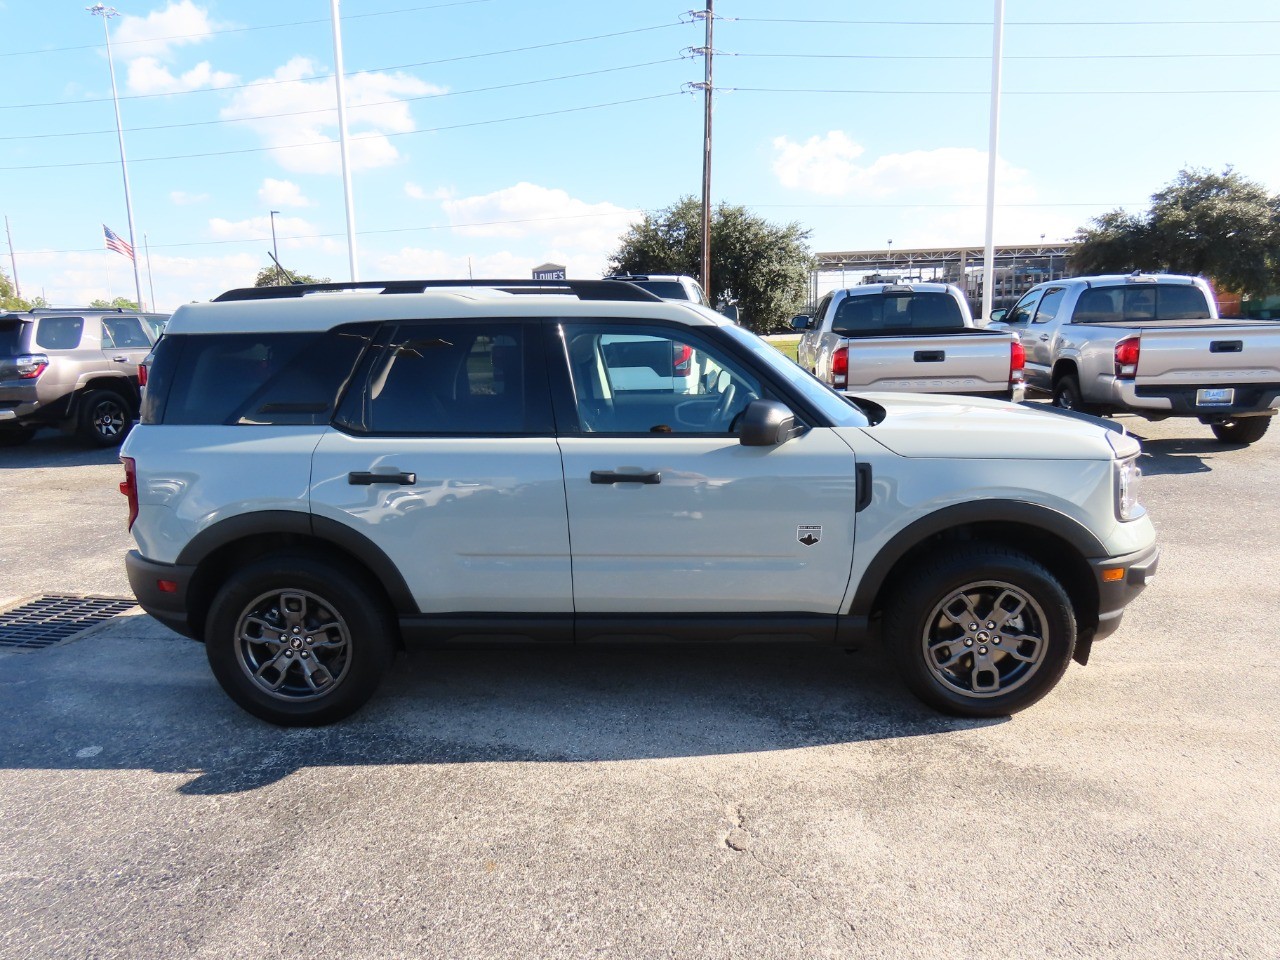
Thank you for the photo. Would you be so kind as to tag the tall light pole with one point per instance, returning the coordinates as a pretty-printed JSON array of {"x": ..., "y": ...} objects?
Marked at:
[
  {"x": 708, "y": 15},
  {"x": 106, "y": 13},
  {"x": 989, "y": 250},
  {"x": 342, "y": 140},
  {"x": 275, "y": 251}
]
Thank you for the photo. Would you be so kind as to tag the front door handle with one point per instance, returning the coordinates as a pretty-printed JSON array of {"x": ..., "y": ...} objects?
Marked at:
[
  {"x": 364, "y": 478},
  {"x": 609, "y": 476},
  {"x": 1044, "y": 336}
]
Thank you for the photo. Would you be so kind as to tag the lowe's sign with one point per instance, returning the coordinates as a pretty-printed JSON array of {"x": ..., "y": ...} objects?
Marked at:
[{"x": 549, "y": 271}]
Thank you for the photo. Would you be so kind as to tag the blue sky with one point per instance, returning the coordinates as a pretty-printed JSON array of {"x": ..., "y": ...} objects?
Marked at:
[{"x": 499, "y": 134}]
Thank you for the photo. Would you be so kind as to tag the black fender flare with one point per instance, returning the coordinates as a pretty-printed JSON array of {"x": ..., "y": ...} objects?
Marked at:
[
  {"x": 266, "y": 522},
  {"x": 1020, "y": 512}
]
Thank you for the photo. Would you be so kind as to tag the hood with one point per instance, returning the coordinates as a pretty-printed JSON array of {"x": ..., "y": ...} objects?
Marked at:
[{"x": 946, "y": 427}]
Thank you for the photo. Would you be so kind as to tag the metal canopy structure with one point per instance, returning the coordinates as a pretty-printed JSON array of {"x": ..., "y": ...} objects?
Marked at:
[{"x": 933, "y": 256}]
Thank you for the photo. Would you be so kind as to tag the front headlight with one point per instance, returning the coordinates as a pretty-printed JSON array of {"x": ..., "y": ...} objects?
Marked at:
[{"x": 1128, "y": 482}]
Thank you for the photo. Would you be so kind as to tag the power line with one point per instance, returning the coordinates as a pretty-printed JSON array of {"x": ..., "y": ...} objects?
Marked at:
[
  {"x": 264, "y": 26},
  {"x": 986, "y": 57},
  {"x": 1008, "y": 23},
  {"x": 352, "y": 73},
  {"x": 1008, "y": 93},
  {"x": 295, "y": 146},
  {"x": 352, "y": 107}
]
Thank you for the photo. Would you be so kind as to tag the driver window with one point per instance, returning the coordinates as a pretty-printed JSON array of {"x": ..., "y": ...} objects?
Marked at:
[
  {"x": 634, "y": 379},
  {"x": 1025, "y": 308}
]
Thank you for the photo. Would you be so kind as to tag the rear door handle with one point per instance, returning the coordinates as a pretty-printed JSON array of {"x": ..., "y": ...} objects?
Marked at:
[
  {"x": 930, "y": 356},
  {"x": 365, "y": 478},
  {"x": 1044, "y": 336},
  {"x": 609, "y": 476},
  {"x": 120, "y": 359}
]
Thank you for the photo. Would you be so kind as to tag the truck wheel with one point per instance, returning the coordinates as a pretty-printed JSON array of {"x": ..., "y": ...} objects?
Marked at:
[
  {"x": 297, "y": 641},
  {"x": 105, "y": 418},
  {"x": 1245, "y": 430},
  {"x": 980, "y": 631},
  {"x": 1066, "y": 394}
]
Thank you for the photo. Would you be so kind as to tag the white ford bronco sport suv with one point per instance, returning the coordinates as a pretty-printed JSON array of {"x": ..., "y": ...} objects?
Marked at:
[{"x": 323, "y": 474}]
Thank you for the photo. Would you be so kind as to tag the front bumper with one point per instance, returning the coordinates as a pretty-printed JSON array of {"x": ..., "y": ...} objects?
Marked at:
[
  {"x": 1116, "y": 590},
  {"x": 169, "y": 606}
]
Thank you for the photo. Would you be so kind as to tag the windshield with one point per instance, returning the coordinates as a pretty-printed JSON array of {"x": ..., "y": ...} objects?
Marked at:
[
  {"x": 840, "y": 410},
  {"x": 892, "y": 313}
]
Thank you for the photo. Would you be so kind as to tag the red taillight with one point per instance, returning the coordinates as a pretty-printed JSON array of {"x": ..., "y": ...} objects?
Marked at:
[
  {"x": 31, "y": 365},
  {"x": 142, "y": 374},
  {"x": 681, "y": 357},
  {"x": 129, "y": 487},
  {"x": 1127, "y": 357},
  {"x": 840, "y": 367},
  {"x": 1017, "y": 360}
]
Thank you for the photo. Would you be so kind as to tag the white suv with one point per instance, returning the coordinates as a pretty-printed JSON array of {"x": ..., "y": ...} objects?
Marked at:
[{"x": 324, "y": 473}]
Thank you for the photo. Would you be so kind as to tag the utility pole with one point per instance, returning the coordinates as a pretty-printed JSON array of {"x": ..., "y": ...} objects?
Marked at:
[
  {"x": 708, "y": 53},
  {"x": 989, "y": 251},
  {"x": 17, "y": 287},
  {"x": 342, "y": 140},
  {"x": 275, "y": 251},
  {"x": 106, "y": 13}
]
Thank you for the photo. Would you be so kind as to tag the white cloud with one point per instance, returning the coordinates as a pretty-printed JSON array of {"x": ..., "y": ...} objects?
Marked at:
[
  {"x": 181, "y": 198},
  {"x": 416, "y": 263},
  {"x": 527, "y": 210},
  {"x": 147, "y": 75},
  {"x": 282, "y": 193},
  {"x": 179, "y": 24},
  {"x": 827, "y": 165},
  {"x": 292, "y": 233},
  {"x": 374, "y": 111},
  {"x": 413, "y": 191}
]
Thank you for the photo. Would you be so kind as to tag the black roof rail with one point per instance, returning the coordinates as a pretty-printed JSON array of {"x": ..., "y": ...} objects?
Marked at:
[
  {"x": 583, "y": 289},
  {"x": 81, "y": 310}
]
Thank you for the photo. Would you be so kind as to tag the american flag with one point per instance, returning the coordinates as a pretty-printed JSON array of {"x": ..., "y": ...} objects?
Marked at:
[{"x": 116, "y": 243}]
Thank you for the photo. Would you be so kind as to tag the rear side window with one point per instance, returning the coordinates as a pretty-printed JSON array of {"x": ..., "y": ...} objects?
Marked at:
[
  {"x": 891, "y": 313},
  {"x": 10, "y": 337},
  {"x": 123, "y": 333},
  {"x": 252, "y": 378},
  {"x": 59, "y": 333},
  {"x": 452, "y": 379}
]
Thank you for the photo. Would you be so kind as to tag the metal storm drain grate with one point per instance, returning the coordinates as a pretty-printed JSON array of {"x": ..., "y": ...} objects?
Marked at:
[{"x": 46, "y": 620}]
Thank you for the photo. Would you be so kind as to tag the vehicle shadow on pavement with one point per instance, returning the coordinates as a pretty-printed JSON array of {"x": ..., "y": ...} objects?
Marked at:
[
  {"x": 145, "y": 700},
  {"x": 52, "y": 448},
  {"x": 1178, "y": 455}
]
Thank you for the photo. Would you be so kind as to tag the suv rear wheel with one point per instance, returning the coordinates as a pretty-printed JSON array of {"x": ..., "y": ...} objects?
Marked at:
[
  {"x": 298, "y": 642},
  {"x": 980, "y": 631},
  {"x": 105, "y": 418}
]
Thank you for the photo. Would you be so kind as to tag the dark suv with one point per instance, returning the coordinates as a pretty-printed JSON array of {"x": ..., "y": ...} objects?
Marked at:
[{"x": 72, "y": 368}]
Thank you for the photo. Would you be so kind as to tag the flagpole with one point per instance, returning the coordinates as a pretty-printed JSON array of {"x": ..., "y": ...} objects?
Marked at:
[
  {"x": 342, "y": 140},
  {"x": 106, "y": 13},
  {"x": 151, "y": 284}
]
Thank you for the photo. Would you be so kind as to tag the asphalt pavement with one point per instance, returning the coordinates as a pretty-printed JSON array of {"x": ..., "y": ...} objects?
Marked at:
[{"x": 651, "y": 803}]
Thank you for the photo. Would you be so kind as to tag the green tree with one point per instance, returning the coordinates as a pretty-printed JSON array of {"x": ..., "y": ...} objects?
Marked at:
[
  {"x": 269, "y": 276},
  {"x": 1219, "y": 225},
  {"x": 120, "y": 303},
  {"x": 761, "y": 267},
  {"x": 9, "y": 299}
]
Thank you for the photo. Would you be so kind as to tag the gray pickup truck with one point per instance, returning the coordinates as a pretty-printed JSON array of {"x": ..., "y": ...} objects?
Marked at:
[
  {"x": 918, "y": 338},
  {"x": 1152, "y": 346}
]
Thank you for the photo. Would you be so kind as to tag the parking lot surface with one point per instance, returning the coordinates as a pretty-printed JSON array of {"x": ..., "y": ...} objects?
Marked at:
[{"x": 719, "y": 802}]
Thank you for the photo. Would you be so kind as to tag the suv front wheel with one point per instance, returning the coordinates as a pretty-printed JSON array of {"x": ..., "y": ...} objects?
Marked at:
[
  {"x": 980, "y": 631},
  {"x": 298, "y": 642}
]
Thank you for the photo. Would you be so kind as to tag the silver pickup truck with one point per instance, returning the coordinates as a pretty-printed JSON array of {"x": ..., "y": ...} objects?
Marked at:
[
  {"x": 1152, "y": 346},
  {"x": 918, "y": 337}
]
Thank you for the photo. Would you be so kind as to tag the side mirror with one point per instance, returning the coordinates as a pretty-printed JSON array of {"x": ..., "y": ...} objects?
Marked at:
[
  {"x": 765, "y": 423},
  {"x": 997, "y": 316},
  {"x": 729, "y": 310},
  {"x": 801, "y": 322}
]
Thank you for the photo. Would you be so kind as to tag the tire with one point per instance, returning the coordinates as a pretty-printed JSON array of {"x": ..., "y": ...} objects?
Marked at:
[
  {"x": 943, "y": 631},
  {"x": 105, "y": 418},
  {"x": 1246, "y": 430},
  {"x": 16, "y": 437},
  {"x": 314, "y": 676},
  {"x": 1067, "y": 395}
]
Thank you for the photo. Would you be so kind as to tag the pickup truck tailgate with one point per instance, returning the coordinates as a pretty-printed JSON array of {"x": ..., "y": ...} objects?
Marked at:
[
  {"x": 967, "y": 361},
  {"x": 1204, "y": 354}
]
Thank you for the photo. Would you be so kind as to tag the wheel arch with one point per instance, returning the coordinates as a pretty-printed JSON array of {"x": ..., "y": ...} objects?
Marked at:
[
  {"x": 115, "y": 383},
  {"x": 1065, "y": 367},
  {"x": 1056, "y": 541},
  {"x": 220, "y": 548}
]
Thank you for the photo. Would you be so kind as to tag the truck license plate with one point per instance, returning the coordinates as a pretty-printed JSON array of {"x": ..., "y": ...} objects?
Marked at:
[{"x": 1215, "y": 397}]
